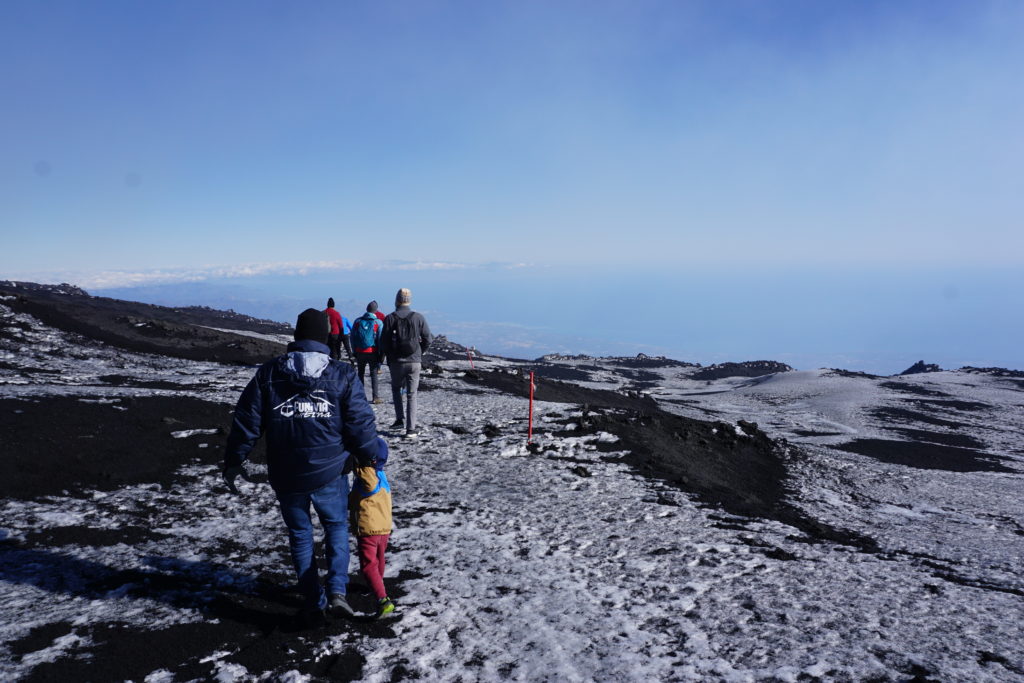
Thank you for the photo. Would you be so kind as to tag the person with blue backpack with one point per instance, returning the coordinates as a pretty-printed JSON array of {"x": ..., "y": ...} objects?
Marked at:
[{"x": 366, "y": 344}]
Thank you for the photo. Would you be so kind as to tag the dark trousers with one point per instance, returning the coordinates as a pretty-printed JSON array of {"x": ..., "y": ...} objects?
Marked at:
[
  {"x": 362, "y": 360},
  {"x": 405, "y": 378},
  {"x": 334, "y": 344}
]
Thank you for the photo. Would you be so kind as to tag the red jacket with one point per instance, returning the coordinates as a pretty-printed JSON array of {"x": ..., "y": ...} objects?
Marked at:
[{"x": 335, "y": 319}]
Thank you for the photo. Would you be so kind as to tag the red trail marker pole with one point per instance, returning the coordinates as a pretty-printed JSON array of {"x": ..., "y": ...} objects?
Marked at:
[
  {"x": 470, "y": 354},
  {"x": 529, "y": 434}
]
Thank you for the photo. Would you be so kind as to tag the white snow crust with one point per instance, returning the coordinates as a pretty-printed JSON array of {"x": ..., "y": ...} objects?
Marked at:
[{"x": 523, "y": 570}]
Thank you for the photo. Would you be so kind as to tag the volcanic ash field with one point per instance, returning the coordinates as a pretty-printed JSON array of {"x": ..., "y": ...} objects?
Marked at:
[{"x": 741, "y": 522}]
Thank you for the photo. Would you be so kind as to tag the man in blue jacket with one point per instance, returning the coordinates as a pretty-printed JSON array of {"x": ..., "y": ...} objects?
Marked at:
[{"x": 314, "y": 414}]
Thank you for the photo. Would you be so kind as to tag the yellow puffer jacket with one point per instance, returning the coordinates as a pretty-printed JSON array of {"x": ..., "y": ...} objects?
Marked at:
[{"x": 371, "y": 515}]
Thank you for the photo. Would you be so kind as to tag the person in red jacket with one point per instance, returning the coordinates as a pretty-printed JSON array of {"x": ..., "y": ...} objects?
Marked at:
[{"x": 334, "y": 337}]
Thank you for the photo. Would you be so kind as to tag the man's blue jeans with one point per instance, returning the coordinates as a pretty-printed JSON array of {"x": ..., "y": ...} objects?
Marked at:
[{"x": 331, "y": 505}]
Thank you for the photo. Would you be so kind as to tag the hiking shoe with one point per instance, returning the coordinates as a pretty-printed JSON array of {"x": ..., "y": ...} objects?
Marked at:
[
  {"x": 412, "y": 434},
  {"x": 378, "y": 401},
  {"x": 398, "y": 424},
  {"x": 340, "y": 607},
  {"x": 385, "y": 607}
]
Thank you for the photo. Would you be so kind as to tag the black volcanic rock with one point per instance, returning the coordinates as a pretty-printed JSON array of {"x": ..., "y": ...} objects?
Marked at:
[
  {"x": 995, "y": 372},
  {"x": 641, "y": 360},
  {"x": 753, "y": 368},
  {"x": 840, "y": 372},
  {"x": 443, "y": 348},
  {"x": 562, "y": 356},
  {"x": 560, "y": 371},
  {"x": 926, "y": 456},
  {"x": 99, "y": 447},
  {"x": 177, "y": 332},
  {"x": 921, "y": 367},
  {"x": 743, "y": 473},
  {"x": 911, "y": 388},
  {"x": 518, "y": 384},
  {"x": 64, "y": 288}
]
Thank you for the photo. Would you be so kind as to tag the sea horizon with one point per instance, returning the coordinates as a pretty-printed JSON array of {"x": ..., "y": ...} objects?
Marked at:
[{"x": 879, "y": 320}]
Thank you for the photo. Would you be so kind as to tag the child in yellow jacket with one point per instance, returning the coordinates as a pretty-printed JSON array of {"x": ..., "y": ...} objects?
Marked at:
[{"x": 370, "y": 503}]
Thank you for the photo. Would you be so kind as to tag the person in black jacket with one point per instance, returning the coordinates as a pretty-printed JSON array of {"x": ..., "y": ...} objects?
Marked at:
[{"x": 314, "y": 414}]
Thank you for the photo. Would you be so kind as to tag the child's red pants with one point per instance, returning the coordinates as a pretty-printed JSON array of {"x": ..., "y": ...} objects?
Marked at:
[{"x": 371, "y": 562}]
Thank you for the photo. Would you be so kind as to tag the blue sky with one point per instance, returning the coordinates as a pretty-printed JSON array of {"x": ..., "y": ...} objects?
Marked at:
[{"x": 160, "y": 141}]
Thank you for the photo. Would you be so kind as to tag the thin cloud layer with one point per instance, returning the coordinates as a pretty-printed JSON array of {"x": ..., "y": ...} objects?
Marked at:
[{"x": 110, "y": 279}]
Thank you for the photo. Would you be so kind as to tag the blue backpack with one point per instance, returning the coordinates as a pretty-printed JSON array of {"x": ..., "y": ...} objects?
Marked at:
[{"x": 362, "y": 333}]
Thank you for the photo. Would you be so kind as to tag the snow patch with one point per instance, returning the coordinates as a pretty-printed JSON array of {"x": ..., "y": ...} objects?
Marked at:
[{"x": 184, "y": 433}]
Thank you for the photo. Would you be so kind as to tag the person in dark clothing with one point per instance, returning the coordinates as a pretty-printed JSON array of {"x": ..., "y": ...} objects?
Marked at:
[
  {"x": 366, "y": 344},
  {"x": 346, "y": 339},
  {"x": 314, "y": 414},
  {"x": 380, "y": 316},
  {"x": 334, "y": 336},
  {"x": 403, "y": 341}
]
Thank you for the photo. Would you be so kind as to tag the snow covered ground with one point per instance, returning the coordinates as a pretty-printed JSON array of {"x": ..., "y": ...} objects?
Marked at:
[{"x": 557, "y": 562}]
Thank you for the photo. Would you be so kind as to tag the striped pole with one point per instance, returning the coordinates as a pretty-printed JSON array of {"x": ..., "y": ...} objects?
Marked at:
[{"x": 529, "y": 435}]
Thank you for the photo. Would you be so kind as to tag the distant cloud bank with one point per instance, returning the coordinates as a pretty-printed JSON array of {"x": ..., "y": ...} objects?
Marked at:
[{"x": 110, "y": 279}]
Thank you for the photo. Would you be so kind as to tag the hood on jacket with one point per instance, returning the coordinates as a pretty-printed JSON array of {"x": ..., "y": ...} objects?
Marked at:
[{"x": 306, "y": 360}]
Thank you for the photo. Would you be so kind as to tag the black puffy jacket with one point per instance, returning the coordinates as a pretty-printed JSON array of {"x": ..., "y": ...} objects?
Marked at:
[{"x": 314, "y": 413}]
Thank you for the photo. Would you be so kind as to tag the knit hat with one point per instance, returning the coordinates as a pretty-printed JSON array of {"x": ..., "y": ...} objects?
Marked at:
[
  {"x": 330, "y": 302},
  {"x": 404, "y": 297},
  {"x": 371, "y": 307},
  {"x": 312, "y": 324}
]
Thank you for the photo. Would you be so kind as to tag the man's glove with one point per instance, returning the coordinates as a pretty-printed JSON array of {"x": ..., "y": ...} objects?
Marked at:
[{"x": 232, "y": 473}]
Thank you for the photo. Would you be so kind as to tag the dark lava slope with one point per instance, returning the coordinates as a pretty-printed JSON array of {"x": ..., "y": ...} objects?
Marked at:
[
  {"x": 103, "y": 443},
  {"x": 744, "y": 474},
  {"x": 177, "y": 332},
  {"x": 752, "y": 368}
]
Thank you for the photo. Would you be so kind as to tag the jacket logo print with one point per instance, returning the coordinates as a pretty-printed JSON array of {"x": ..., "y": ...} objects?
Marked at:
[{"x": 306, "y": 406}]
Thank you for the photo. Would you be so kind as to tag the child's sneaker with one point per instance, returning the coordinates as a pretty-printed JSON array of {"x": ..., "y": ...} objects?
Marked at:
[{"x": 385, "y": 608}]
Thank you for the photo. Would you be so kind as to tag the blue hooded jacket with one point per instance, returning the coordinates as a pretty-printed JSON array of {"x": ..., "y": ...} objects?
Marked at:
[{"x": 314, "y": 413}]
